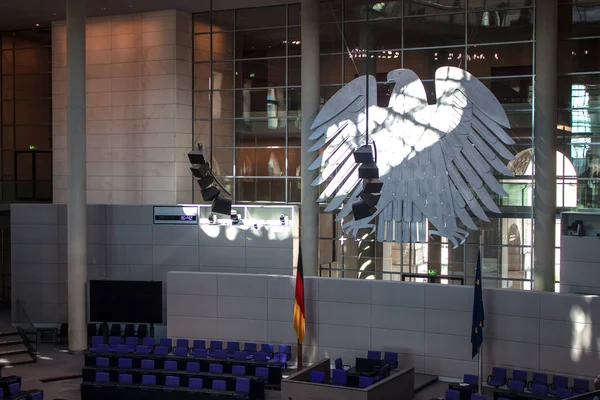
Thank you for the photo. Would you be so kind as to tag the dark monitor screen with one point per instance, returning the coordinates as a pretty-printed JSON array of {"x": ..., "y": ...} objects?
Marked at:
[
  {"x": 126, "y": 301},
  {"x": 367, "y": 365}
]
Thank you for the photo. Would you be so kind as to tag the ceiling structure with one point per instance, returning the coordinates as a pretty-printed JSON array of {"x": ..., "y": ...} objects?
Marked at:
[{"x": 23, "y": 14}]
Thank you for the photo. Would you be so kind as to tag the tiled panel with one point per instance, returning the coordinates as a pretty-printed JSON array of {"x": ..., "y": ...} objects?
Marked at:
[
  {"x": 242, "y": 285},
  {"x": 400, "y": 318},
  {"x": 448, "y": 346},
  {"x": 118, "y": 272},
  {"x": 398, "y": 294},
  {"x": 175, "y": 255},
  {"x": 222, "y": 236},
  {"x": 514, "y": 354},
  {"x": 45, "y": 293},
  {"x": 175, "y": 235},
  {"x": 33, "y": 214},
  {"x": 271, "y": 236},
  {"x": 43, "y": 273},
  {"x": 515, "y": 329},
  {"x": 344, "y": 314},
  {"x": 210, "y": 256},
  {"x": 128, "y": 234},
  {"x": 42, "y": 234},
  {"x": 251, "y": 308},
  {"x": 159, "y": 272},
  {"x": 281, "y": 309},
  {"x": 43, "y": 254},
  {"x": 448, "y": 322},
  {"x": 345, "y": 337},
  {"x": 129, "y": 214},
  {"x": 129, "y": 254},
  {"x": 582, "y": 363},
  {"x": 242, "y": 329},
  {"x": 567, "y": 307},
  {"x": 195, "y": 327},
  {"x": 449, "y": 368},
  {"x": 449, "y": 297},
  {"x": 573, "y": 335},
  {"x": 406, "y": 342},
  {"x": 184, "y": 283},
  {"x": 141, "y": 272},
  {"x": 281, "y": 287},
  {"x": 519, "y": 303},
  {"x": 191, "y": 305},
  {"x": 271, "y": 258},
  {"x": 345, "y": 290}
]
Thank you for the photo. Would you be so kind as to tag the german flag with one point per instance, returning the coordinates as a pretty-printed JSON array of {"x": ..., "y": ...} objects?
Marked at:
[{"x": 299, "y": 316}]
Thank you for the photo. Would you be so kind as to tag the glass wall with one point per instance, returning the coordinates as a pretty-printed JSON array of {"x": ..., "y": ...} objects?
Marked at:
[
  {"x": 26, "y": 116},
  {"x": 247, "y": 88}
]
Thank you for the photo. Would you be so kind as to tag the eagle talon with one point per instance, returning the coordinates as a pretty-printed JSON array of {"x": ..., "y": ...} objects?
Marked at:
[{"x": 351, "y": 228}]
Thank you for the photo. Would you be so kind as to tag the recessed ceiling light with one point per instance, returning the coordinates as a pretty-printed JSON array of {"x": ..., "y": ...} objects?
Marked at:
[{"x": 37, "y": 24}]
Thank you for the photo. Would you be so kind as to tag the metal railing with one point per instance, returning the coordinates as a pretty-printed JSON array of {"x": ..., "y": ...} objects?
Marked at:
[{"x": 26, "y": 329}]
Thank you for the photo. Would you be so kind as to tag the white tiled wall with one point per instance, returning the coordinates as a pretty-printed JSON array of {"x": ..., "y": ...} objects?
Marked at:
[
  {"x": 139, "y": 107},
  {"x": 429, "y": 325}
]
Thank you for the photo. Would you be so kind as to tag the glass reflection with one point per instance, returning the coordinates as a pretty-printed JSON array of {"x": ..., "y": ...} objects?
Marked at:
[{"x": 500, "y": 26}]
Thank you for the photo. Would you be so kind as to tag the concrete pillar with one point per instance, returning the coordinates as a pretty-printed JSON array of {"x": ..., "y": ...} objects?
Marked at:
[
  {"x": 76, "y": 206},
  {"x": 544, "y": 205},
  {"x": 310, "y": 93}
]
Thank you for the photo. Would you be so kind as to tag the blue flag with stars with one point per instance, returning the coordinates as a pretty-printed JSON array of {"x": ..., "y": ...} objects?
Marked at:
[{"x": 478, "y": 317}]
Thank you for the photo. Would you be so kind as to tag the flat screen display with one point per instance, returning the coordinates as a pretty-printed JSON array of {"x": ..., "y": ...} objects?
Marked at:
[{"x": 126, "y": 302}]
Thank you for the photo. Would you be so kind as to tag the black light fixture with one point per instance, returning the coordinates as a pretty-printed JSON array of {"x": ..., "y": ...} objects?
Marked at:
[
  {"x": 210, "y": 187},
  {"x": 235, "y": 218},
  {"x": 366, "y": 205},
  {"x": 222, "y": 205},
  {"x": 211, "y": 218}
]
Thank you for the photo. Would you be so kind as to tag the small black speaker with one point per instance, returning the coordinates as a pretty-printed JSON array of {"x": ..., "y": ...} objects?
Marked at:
[
  {"x": 222, "y": 205},
  {"x": 368, "y": 171},
  {"x": 372, "y": 186},
  {"x": 206, "y": 181},
  {"x": 364, "y": 155},
  {"x": 210, "y": 193},
  {"x": 362, "y": 210},
  {"x": 196, "y": 157}
]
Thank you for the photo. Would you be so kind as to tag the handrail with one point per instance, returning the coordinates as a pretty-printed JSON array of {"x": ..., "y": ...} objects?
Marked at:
[
  {"x": 585, "y": 395},
  {"x": 22, "y": 307}
]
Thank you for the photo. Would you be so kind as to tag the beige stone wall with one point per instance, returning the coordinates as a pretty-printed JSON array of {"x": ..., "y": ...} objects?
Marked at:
[{"x": 139, "y": 109}]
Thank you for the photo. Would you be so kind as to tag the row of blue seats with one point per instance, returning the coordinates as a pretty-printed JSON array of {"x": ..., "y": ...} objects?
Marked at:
[
  {"x": 242, "y": 385},
  {"x": 182, "y": 346},
  {"x": 192, "y": 367},
  {"x": 339, "y": 377},
  {"x": 538, "y": 384}
]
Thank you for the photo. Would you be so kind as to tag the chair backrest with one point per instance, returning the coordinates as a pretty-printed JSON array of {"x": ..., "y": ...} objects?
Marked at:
[
  {"x": 519, "y": 375},
  {"x": 559, "y": 381},
  {"x": 102, "y": 348},
  {"x": 339, "y": 377},
  {"x": 233, "y": 346},
  {"x": 181, "y": 351},
  {"x": 122, "y": 349},
  {"x": 172, "y": 381},
  {"x": 563, "y": 393},
  {"x": 195, "y": 383},
  {"x": 239, "y": 355},
  {"x": 37, "y": 396},
  {"x": 390, "y": 356},
  {"x": 161, "y": 350},
  {"x": 115, "y": 330},
  {"x": 215, "y": 368},
  {"x": 216, "y": 345},
  {"x": 147, "y": 364},
  {"x": 131, "y": 341},
  {"x": 476, "y": 396},
  {"x": 385, "y": 371},
  {"x": 220, "y": 354},
  {"x": 142, "y": 331},
  {"x": 218, "y": 384},
  {"x": 374, "y": 355},
  {"x": 539, "y": 389},
  {"x": 516, "y": 386},
  {"x": 471, "y": 379},
  {"x": 102, "y": 362},
  {"x": 364, "y": 382},
  {"x": 242, "y": 385},
  {"x": 238, "y": 370},
  {"x": 149, "y": 341},
  {"x": 166, "y": 342},
  {"x": 125, "y": 378},
  {"x": 114, "y": 341},
  {"x": 452, "y": 395},
  {"x": 339, "y": 364},
  {"x": 267, "y": 348},
  {"x": 129, "y": 330},
  {"x": 97, "y": 340},
  {"x": 171, "y": 365},
  {"x": 285, "y": 349},
  {"x": 498, "y": 372},
  {"x": 280, "y": 358},
  {"x": 124, "y": 363},
  {"x": 148, "y": 380},
  {"x": 142, "y": 349},
  {"x": 260, "y": 356},
  {"x": 581, "y": 385},
  {"x": 250, "y": 347},
  {"x": 192, "y": 367},
  {"x": 317, "y": 377},
  {"x": 261, "y": 372},
  {"x": 539, "y": 378},
  {"x": 202, "y": 353},
  {"x": 199, "y": 344},
  {"x": 100, "y": 377},
  {"x": 182, "y": 343}
]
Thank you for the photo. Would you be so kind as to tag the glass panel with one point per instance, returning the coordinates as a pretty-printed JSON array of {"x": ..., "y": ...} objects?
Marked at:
[
  {"x": 7, "y": 87},
  {"x": 425, "y": 62},
  {"x": 412, "y": 7},
  {"x": 260, "y": 103},
  {"x": 260, "y": 162},
  {"x": 222, "y": 72},
  {"x": 488, "y": 27},
  {"x": 8, "y": 108},
  {"x": 294, "y": 190},
  {"x": 295, "y": 70},
  {"x": 43, "y": 166},
  {"x": 222, "y": 161},
  {"x": 294, "y": 102},
  {"x": 374, "y": 35},
  {"x": 355, "y": 10},
  {"x": 29, "y": 61},
  {"x": 37, "y": 136},
  {"x": 268, "y": 132},
  {"x": 498, "y": 4},
  {"x": 581, "y": 91},
  {"x": 257, "y": 189},
  {"x": 221, "y": 20},
  {"x": 262, "y": 43},
  {"x": 500, "y": 60},
  {"x": 8, "y": 138},
  {"x": 33, "y": 38},
  {"x": 7, "y": 62},
  {"x": 331, "y": 38},
  {"x": 331, "y": 70},
  {"x": 588, "y": 192},
  {"x": 222, "y": 101},
  {"x": 260, "y": 17},
  {"x": 227, "y": 184},
  {"x": 295, "y": 40},
  {"x": 261, "y": 73},
  {"x": 434, "y": 31},
  {"x": 7, "y": 41},
  {"x": 579, "y": 121},
  {"x": 579, "y": 20},
  {"x": 521, "y": 128},
  {"x": 293, "y": 161},
  {"x": 579, "y": 55},
  {"x": 33, "y": 86},
  {"x": 8, "y": 165},
  {"x": 330, "y": 11},
  {"x": 513, "y": 94}
]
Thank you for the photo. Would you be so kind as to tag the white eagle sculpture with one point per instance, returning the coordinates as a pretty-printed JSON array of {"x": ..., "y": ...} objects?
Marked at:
[{"x": 435, "y": 161}]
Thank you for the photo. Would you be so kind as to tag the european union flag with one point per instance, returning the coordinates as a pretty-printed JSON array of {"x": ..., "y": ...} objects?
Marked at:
[{"x": 478, "y": 317}]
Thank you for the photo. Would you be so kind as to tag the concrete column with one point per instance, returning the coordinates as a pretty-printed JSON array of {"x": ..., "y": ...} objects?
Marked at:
[
  {"x": 76, "y": 159},
  {"x": 311, "y": 96},
  {"x": 544, "y": 205}
]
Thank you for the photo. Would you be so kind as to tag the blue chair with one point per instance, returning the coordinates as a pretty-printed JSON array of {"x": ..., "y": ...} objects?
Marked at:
[
  {"x": 364, "y": 382},
  {"x": 391, "y": 358},
  {"x": 452, "y": 395},
  {"x": 240, "y": 356},
  {"x": 125, "y": 363},
  {"x": 563, "y": 393},
  {"x": 317, "y": 377},
  {"x": 539, "y": 389},
  {"x": 516, "y": 386},
  {"x": 147, "y": 364},
  {"x": 384, "y": 372},
  {"x": 475, "y": 396},
  {"x": 182, "y": 343},
  {"x": 250, "y": 349},
  {"x": 216, "y": 345},
  {"x": 497, "y": 378},
  {"x": 374, "y": 355},
  {"x": 286, "y": 349},
  {"x": 96, "y": 340},
  {"x": 472, "y": 380},
  {"x": 37, "y": 396},
  {"x": 220, "y": 354},
  {"x": 200, "y": 353},
  {"x": 161, "y": 351},
  {"x": 233, "y": 346},
  {"x": 199, "y": 344},
  {"x": 149, "y": 342},
  {"x": 539, "y": 378},
  {"x": 242, "y": 386},
  {"x": 181, "y": 351},
  {"x": 142, "y": 349},
  {"x": 102, "y": 362},
  {"x": 103, "y": 348},
  {"x": 261, "y": 357},
  {"x": 267, "y": 348},
  {"x": 281, "y": 358},
  {"x": 261, "y": 372},
  {"x": 193, "y": 367},
  {"x": 519, "y": 375},
  {"x": 148, "y": 380},
  {"x": 171, "y": 365},
  {"x": 580, "y": 386},
  {"x": 166, "y": 342},
  {"x": 123, "y": 349},
  {"x": 218, "y": 384},
  {"x": 172, "y": 381},
  {"x": 558, "y": 382},
  {"x": 195, "y": 383},
  {"x": 126, "y": 378},
  {"x": 131, "y": 341},
  {"x": 215, "y": 368},
  {"x": 101, "y": 377},
  {"x": 238, "y": 370},
  {"x": 339, "y": 377},
  {"x": 114, "y": 341}
]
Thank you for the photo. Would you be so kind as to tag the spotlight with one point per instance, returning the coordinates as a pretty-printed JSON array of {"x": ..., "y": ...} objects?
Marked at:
[
  {"x": 364, "y": 155},
  {"x": 282, "y": 219},
  {"x": 211, "y": 218},
  {"x": 372, "y": 186},
  {"x": 235, "y": 218},
  {"x": 361, "y": 209},
  {"x": 368, "y": 171},
  {"x": 200, "y": 170},
  {"x": 210, "y": 193},
  {"x": 222, "y": 205},
  {"x": 206, "y": 181},
  {"x": 197, "y": 156}
]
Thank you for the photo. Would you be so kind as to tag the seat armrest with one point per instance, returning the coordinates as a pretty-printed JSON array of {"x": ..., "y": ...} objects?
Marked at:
[
  {"x": 489, "y": 378},
  {"x": 508, "y": 381}
]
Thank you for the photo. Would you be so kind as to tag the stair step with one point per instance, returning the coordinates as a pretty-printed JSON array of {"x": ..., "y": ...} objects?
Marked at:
[
  {"x": 12, "y": 347},
  {"x": 5, "y": 343},
  {"x": 4, "y": 354},
  {"x": 5, "y": 334},
  {"x": 15, "y": 359}
]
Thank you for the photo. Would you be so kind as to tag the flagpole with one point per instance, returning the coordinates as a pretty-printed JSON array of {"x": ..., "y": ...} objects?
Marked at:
[
  {"x": 480, "y": 370},
  {"x": 299, "y": 361}
]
